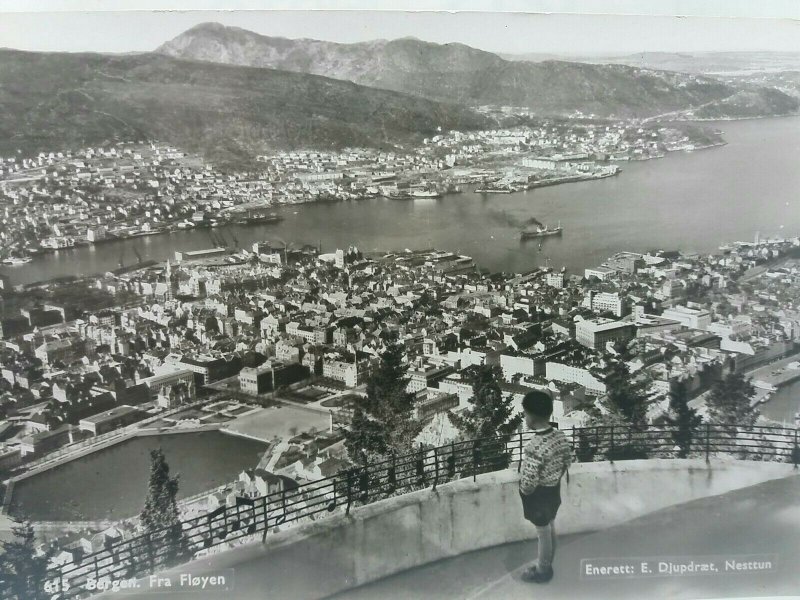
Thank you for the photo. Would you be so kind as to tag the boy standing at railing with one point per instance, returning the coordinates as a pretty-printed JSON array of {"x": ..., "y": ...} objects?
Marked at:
[{"x": 545, "y": 460}]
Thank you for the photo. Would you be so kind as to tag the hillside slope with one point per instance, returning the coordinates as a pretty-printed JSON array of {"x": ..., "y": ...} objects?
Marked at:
[
  {"x": 459, "y": 73},
  {"x": 54, "y": 100},
  {"x": 691, "y": 62}
]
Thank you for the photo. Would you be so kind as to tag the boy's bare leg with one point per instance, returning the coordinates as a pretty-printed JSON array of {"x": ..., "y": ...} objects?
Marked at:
[
  {"x": 546, "y": 546},
  {"x": 542, "y": 570}
]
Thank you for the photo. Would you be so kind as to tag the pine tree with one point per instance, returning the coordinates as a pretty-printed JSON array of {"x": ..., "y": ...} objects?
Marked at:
[
  {"x": 490, "y": 414},
  {"x": 626, "y": 395},
  {"x": 366, "y": 437},
  {"x": 625, "y": 404},
  {"x": 23, "y": 571},
  {"x": 684, "y": 418},
  {"x": 383, "y": 423},
  {"x": 160, "y": 519},
  {"x": 729, "y": 401}
]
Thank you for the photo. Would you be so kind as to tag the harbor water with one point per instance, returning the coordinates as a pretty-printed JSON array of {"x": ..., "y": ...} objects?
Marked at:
[{"x": 689, "y": 201}]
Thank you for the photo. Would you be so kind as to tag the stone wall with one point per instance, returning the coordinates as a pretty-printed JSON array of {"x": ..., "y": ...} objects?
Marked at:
[{"x": 377, "y": 540}]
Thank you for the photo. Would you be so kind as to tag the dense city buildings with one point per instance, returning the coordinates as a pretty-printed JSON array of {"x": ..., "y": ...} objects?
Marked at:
[
  {"x": 171, "y": 341},
  {"x": 60, "y": 200}
]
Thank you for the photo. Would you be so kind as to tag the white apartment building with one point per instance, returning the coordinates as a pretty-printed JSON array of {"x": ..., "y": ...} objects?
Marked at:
[
  {"x": 555, "y": 280},
  {"x": 556, "y": 371},
  {"x": 605, "y": 302},
  {"x": 695, "y": 318}
]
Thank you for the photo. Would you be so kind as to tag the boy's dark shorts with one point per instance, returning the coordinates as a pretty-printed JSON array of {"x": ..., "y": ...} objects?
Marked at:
[{"x": 541, "y": 505}]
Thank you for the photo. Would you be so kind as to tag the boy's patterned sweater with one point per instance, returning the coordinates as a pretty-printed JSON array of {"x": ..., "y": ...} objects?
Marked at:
[{"x": 545, "y": 460}]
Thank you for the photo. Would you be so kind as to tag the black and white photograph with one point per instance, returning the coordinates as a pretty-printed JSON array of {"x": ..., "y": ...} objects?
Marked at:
[{"x": 399, "y": 301}]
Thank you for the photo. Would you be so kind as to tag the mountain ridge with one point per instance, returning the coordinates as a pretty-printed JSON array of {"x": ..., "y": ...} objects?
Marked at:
[
  {"x": 52, "y": 100},
  {"x": 461, "y": 74},
  {"x": 706, "y": 62}
]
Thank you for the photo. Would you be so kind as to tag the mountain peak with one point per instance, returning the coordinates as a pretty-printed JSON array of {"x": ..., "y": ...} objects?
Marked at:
[
  {"x": 208, "y": 26},
  {"x": 213, "y": 28},
  {"x": 460, "y": 74}
]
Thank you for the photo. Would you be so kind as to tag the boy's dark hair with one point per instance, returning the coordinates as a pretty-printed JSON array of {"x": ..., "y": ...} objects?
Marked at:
[{"x": 538, "y": 403}]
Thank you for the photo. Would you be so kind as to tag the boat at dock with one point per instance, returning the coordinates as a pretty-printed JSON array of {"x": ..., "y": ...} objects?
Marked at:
[
  {"x": 16, "y": 261},
  {"x": 145, "y": 233},
  {"x": 258, "y": 218},
  {"x": 498, "y": 190},
  {"x": 398, "y": 196},
  {"x": 425, "y": 194}
]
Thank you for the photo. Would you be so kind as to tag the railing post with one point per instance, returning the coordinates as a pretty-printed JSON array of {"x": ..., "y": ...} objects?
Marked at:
[
  {"x": 476, "y": 458},
  {"x": 796, "y": 450},
  {"x": 363, "y": 484},
  {"x": 284, "y": 517},
  {"x": 266, "y": 516},
  {"x": 521, "y": 450},
  {"x": 572, "y": 439},
  {"x": 392, "y": 474},
  {"x": 436, "y": 468},
  {"x": 611, "y": 446},
  {"x": 349, "y": 491},
  {"x": 419, "y": 467},
  {"x": 451, "y": 461},
  {"x": 597, "y": 438},
  {"x": 332, "y": 504},
  {"x": 708, "y": 442}
]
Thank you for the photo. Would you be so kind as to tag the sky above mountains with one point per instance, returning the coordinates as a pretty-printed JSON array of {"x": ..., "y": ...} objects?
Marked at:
[{"x": 510, "y": 33}]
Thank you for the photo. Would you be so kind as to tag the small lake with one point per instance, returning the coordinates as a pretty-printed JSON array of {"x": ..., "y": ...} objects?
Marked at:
[
  {"x": 783, "y": 404},
  {"x": 112, "y": 483}
]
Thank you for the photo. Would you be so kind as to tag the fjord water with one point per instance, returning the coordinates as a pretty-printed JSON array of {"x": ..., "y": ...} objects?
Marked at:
[{"x": 689, "y": 201}]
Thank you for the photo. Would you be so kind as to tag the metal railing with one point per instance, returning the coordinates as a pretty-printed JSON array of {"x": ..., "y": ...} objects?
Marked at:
[{"x": 254, "y": 518}]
